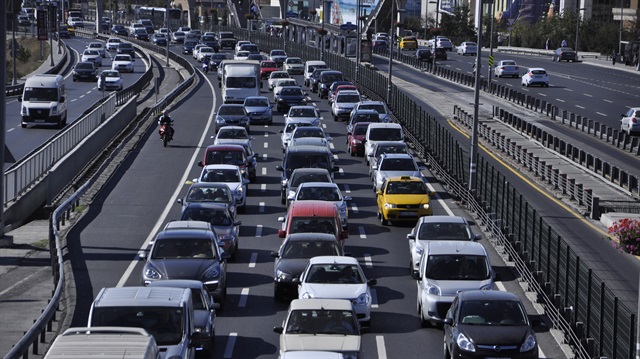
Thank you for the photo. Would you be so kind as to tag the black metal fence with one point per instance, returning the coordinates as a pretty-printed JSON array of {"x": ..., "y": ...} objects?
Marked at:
[{"x": 576, "y": 300}]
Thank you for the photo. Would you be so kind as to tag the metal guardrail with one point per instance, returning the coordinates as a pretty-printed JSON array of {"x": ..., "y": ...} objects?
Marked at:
[{"x": 16, "y": 90}]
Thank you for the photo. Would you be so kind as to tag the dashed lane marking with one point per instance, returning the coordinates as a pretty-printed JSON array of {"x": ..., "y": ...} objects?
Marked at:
[
  {"x": 363, "y": 235},
  {"x": 263, "y": 187},
  {"x": 231, "y": 342},
  {"x": 262, "y": 205},
  {"x": 259, "y": 231},
  {"x": 382, "y": 352},
  {"x": 253, "y": 260},
  {"x": 244, "y": 295}
]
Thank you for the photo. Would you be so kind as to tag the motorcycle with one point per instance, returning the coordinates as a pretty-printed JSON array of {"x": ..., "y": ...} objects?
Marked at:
[
  {"x": 205, "y": 65},
  {"x": 165, "y": 133}
]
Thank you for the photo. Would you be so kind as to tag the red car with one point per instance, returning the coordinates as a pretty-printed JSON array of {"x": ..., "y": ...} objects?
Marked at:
[
  {"x": 355, "y": 140},
  {"x": 267, "y": 67}
]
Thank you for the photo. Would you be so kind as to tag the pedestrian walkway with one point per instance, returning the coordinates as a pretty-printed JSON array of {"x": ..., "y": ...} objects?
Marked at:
[{"x": 26, "y": 282}]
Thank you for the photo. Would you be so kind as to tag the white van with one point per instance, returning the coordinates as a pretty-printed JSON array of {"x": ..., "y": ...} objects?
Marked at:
[
  {"x": 166, "y": 313},
  {"x": 309, "y": 66},
  {"x": 44, "y": 101},
  {"x": 240, "y": 80},
  {"x": 104, "y": 343},
  {"x": 377, "y": 132}
]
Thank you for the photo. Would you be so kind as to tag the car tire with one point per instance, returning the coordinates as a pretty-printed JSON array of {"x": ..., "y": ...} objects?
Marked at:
[
  {"x": 423, "y": 322},
  {"x": 383, "y": 221},
  {"x": 283, "y": 199}
]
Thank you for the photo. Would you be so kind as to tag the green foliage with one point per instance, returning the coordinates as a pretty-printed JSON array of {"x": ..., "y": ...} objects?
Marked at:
[
  {"x": 23, "y": 54},
  {"x": 225, "y": 17},
  {"x": 458, "y": 27},
  {"x": 214, "y": 17}
]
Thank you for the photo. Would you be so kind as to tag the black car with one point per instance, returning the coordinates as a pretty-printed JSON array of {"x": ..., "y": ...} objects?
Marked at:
[
  {"x": 23, "y": 20},
  {"x": 85, "y": 71},
  {"x": 423, "y": 55},
  {"x": 290, "y": 96},
  {"x": 159, "y": 39},
  {"x": 232, "y": 115},
  {"x": 293, "y": 256},
  {"x": 441, "y": 53},
  {"x": 314, "y": 81},
  {"x": 221, "y": 219},
  {"x": 64, "y": 32},
  {"x": 126, "y": 48},
  {"x": 211, "y": 42},
  {"x": 141, "y": 34},
  {"x": 564, "y": 54},
  {"x": 216, "y": 59},
  {"x": 227, "y": 39},
  {"x": 119, "y": 30},
  {"x": 488, "y": 323},
  {"x": 187, "y": 47}
]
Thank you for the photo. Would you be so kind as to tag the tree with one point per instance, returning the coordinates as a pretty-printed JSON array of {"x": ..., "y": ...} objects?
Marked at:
[{"x": 459, "y": 26}]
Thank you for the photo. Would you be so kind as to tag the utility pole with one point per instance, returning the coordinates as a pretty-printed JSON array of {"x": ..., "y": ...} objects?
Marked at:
[
  {"x": 3, "y": 109},
  {"x": 476, "y": 104},
  {"x": 391, "y": 37},
  {"x": 167, "y": 20}
]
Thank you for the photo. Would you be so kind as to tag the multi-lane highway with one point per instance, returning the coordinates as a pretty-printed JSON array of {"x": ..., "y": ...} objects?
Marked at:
[{"x": 104, "y": 244}]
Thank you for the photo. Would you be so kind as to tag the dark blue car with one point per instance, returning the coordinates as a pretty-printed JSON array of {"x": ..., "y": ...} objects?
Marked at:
[
  {"x": 290, "y": 96},
  {"x": 188, "y": 46}
]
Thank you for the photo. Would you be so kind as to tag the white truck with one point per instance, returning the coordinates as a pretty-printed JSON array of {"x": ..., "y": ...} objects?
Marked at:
[{"x": 239, "y": 80}]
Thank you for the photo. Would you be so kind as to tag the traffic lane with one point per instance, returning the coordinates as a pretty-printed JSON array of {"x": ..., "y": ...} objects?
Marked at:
[
  {"x": 80, "y": 96},
  {"x": 124, "y": 214}
]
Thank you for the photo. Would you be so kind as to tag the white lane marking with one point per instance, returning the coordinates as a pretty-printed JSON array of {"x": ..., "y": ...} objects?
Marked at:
[
  {"x": 89, "y": 92},
  {"x": 74, "y": 100},
  {"x": 341, "y": 171},
  {"x": 264, "y": 157},
  {"x": 347, "y": 189},
  {"x": 374, "y": 298},
  {"x": 440, "y": 200},
  {"x": 382, "y": 352},
  {"x": 324, "y": 126},
  {"x": 259, "y": 231},
  {"x": 263, "y": 187},
  {"x": 266, "y": 145},
  {"x": 331, "y": 146},
  {"x": 560, "y": 100},
  {"x": 354, "y": 208},
  {"x": 11, "y": 129},
  {"x": 244, "y": 295},
  {"x": 81, "y": 96},
  {"x": 605, "y": 100},
  {"x": 601, "y": 114},
  {"x": 586, "y": 94},
  {"x": 363, "y": 235},
  {"x": 335, "y": 157},
  {"x": 253, "y": 260},
  {"x": 568, "y": 89},
  {"x": 367, "y": 260},
  {"x": 262, "y": 204},
  {"x": 228, "y": 350},
  {"x": 22, "y": 281},
  {"x": 266, "y": 134},
  {"x": 179, "y": 187},
  {"x": 264, "y": 171},
  {"x": 580, "y": 107},
  {"x": 541, "y": 94}
]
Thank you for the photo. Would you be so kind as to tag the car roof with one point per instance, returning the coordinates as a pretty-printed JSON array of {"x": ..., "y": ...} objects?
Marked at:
[
  {"x": 385, "y": 125},
  {"x": 182, "y": 225},
  {"x": 389, "y": 143},
  {"x": 349, "y": 92},
  {"x": 313, "y": 208},
  {"x": 404, "y": 179},
  {"x": 442, "y": 219},
  {"x": 318, "y": 184},
  {"x": 208, "y": 205},
  {"x": 455, "y": 247},
  {"x": 219, "y": 166},
  {"x": 537, "y": 69},
  {"x": 309, "y": 149},
  {"x": 397, "y": 155},
  {"x": 333, "y": 259},
  {"x": 310, "y": 170},
  {"x": 208, "y": 185},
  {"x": 362, "y": 124},
  {"x": 488, "y": 295},
  {"x": 324, "y": 304},
  {"x": 366, "y": 111}
]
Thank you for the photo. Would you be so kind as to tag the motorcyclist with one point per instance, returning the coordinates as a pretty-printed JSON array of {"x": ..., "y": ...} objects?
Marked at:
[
  {"x": 205, "y": 65},
  {"x": 166, "y": 120}
]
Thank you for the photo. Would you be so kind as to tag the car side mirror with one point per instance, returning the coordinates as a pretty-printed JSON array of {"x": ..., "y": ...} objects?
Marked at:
[
  {"x": 296, "y": 280},
  {"x": 179, "y": 200},
  {"x": 535, "y": 321},
  {"x": 279, "y": 168},
  {"x": 411, "y": 236},
  {"x": 215, "y": 306},
  {"x": 348, "y": 198},
  {"x": 336, "y": 169},
  {"x": 282, "y": 233},
  {"x": 477, "y": 237},
  {"x": 62, "y": 98},
  {"x": 415, "y": 274},
  {"x": 275, "y": 254},
  {"x": 372, "y": 282},
  {"x": 237, "y": 223},
  {"x": 200, "y": 164},
  {"x": 278, "y": 330},
  {"x": 422, "y": 168},
  {"x": 224, "y": 256},
  {"x": 245, "y": 181},
  {"x": 281, "y": 131},
  {"x": 143, "y": 255},
  {"x": 329, "y": 138},
  {"x": 291, "y": 197},
  {"x": 448, "y": 321}
]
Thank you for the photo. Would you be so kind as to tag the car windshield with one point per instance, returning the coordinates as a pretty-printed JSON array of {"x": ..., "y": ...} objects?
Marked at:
[
  {"x": 360, "y": 130},
  {"x": 226, "y": 35},
  {"x": 319, "y": 193},
  {"x": 219, "y": 56},
  {"x": 322, "y": 321},
  {"x": 163, "y": 323},
  {"x": 397, "y": 187},
  {"x": 221, "y": 175},
  {"x": 215, "y": 216},
  {"x": 348, "y": 98},
  {"x": 268, "y": 64},
  {"x": 312, "y": 225},
  {"x": 303, "y": 112},
  {"x": 232, "y": 133},
  {"x": 241, "y": 82},
  {"x": 492, "y": 312},
  {"x": 294, "y": 61},
  {"x": 110, "y": 74},
  {"x": 182, "y": 248},
  {"x": 91, "y": 52},
  {"x": 160, "y": 36},
  {"x": 508, "y": 63},
  {"x": 84, "y": 66},
  {"x": 40, "y": 94},
  {"x": 398, "y": 164},
  {"x": 205, "y": 49},
  {"x": 189, "y": 43},
  {"x": 297, "y": 179},
  {"x": 291, "y": 92},
  {"x": 366, "y": 117},
  {"x": 457, "y": 267},
  {"x": 385, "y": 134},
  {"x": 539, "y": 72},
  {"x": 208, "y": 38},
  {"x": 95, "y": 46},
  {"x": 335, "y": 273},
  {"x": 279, "y": 75},
  {"x": 308, "y": 132},
  {"x": 231, "y": 110},
  {"x": 278, "y": 53},
  {"x": 257, "y": 102},
  {"x": 331, "y": 78},
  {"x": 389, "y": 149},
  {"x": 444, "y": 232},
  {"x": 309, "y": 249},
  {"x": 122, "y": 58},
  {"x": 292, "y": 126},
  {"x": 235, "y": 158},
  {"x": 204, "y": 194}
]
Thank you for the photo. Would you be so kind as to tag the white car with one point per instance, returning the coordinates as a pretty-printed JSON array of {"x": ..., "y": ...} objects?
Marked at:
[
  {"x": 165, "y": 31},
  {"x": 630, "y": 122},
  {"x": 506, "y": 68},
  {"x": 294, "y": 65},
  {"x": 323, "y": 191},
  {"x": 92, "y": 56},
  {"x": 275, "y": 76},
  {"x": 327, "y": 325},
  {"x": 112, "y": 43},
  {"x": 75, "y": 21},
  {"x": 304, "y": 113},
  {"x": 122, "y": 63},
  {"x": 395, "y": 165},
  {"x": 384, "y": 114},
  {"x": 437, "y": 228},
  {"x": 196, "y": 49},
  {"x": 110, "y": 80},
  {"x": 205, "y": 51},
  {"x": 229, "y": 175},
  {"x": 344, "y": 102},
  {"x": 98, "y": 46},
  {"x": 467, "y": 48},
  {"x": 535, "y": 76},
  {"x": 241, "y": 55},
  {"x": 136, "y": 26},
  {"x": 240, "y": 43},
  {"x": 279, "y": 84},
  {"x": 338, "y": 277},
  {"x": 289, "y": 127},
  {"x": 231, "y": 132},
  {"x": 279, "y": 56}
]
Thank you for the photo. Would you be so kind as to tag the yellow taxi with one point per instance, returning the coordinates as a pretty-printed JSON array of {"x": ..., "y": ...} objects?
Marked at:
[
  {"x": 72, "y": 30},
  {"x": 408, "y": 43},
  {"x": 403, "y": 198}
]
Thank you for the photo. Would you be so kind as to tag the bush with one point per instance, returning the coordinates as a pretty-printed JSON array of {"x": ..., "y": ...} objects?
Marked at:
[
  {"x": 627, "y": 235},
  {"x": 23, "y": 54}
]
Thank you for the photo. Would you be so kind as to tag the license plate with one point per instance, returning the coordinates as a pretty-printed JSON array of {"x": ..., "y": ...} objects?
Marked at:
[
  {"x": 38, "y": 121},
  {"x": 408, "y": 214}
]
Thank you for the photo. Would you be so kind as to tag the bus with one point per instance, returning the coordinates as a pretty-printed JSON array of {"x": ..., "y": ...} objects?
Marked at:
[{"x": 157, "y": 15}]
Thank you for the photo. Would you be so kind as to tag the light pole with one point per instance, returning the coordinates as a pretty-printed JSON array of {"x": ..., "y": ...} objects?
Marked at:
[
  {"x": 392, "y": 30},
  {"x": 167, "y": 20},
  {"x": 14, "y": 80},
  {"x": 578, "y": 29},
  {"x": 620, "y": 43},
  {"x": 476, "y": 102},
  {"x": 479, "y": 47},
  {"x": 51, "y": 15}
]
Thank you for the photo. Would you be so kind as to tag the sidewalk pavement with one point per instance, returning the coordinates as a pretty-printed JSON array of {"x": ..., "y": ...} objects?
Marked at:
[
  {"x": 46, "y": 65},
  {"x": 26, "y": 283}
]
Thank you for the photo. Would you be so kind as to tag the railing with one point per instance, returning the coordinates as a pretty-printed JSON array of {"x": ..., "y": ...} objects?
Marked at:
[
  {"x": 576, "y": 300},
  {"x": 16, "y": 90}
]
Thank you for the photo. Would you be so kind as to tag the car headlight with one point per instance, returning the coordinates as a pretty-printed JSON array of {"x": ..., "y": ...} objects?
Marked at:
[
  {"x": 291, "y": 193},
  {"x": 23, "y": 110},
  {"x": 425, "y": 206},
  {"x": 151, "y": 273},
  {"x": 432, "y": 289},
  {"x": 211, "y": 273},
  {"x": 239, "y": 190},
  {"x": 464, "y": 343},
  {"x": 355, "y": 141},
  {"x": 529, "y": 343},
  {"x": 220, "y": 120},
  {"x": 307, "y": 295},
  {"x": 363, "y": 298},
  {"x": 226, "y": 237},
  {"x": 390, "y": 205},
  {"x": 283, "y": 276},
  {"x": 54, "y": 110},
  {"x": 304, "y": 100}
]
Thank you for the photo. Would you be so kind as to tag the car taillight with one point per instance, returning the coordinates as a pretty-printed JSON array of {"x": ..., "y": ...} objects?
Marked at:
[{"x": 633, "y": 119}]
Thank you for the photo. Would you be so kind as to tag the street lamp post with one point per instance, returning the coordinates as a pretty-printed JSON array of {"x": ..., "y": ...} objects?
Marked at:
[
  {"x": 578, "y": 29},
  {"x": 392, "y": 30},
  {"x": 620, "y": 42},
  {"x": 476, "y": 103},
  {"x": 51, "y": 14},
  {"x": 167, "y": 20}
]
